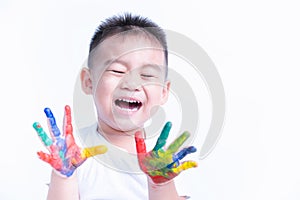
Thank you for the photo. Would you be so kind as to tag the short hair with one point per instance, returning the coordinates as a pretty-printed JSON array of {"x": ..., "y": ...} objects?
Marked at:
[{"x": 127, "y": 22}]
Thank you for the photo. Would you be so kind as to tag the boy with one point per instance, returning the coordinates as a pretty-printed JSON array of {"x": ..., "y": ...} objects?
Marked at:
[{"x": 127, "y": 76}]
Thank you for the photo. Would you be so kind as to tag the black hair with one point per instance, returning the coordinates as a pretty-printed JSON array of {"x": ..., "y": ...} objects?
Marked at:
[{"x": 127, "y": 22}]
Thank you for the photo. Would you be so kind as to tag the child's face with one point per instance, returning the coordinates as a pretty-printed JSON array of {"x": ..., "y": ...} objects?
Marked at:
[{"x": 128, "y": 81}]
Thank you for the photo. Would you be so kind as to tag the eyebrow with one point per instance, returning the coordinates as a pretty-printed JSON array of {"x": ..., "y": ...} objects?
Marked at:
[{"x": 111, "y": 61}]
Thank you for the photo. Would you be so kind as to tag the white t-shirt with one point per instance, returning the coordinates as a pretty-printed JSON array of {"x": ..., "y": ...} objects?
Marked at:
[{"x": 113, "y": 175}]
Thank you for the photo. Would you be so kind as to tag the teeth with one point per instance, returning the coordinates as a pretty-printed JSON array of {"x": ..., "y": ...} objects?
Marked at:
[{"x": 129, "y": 101}]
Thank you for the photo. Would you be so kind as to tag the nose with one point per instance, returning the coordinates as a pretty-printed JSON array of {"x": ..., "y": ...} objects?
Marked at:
[{"x": 131, "y": 81}]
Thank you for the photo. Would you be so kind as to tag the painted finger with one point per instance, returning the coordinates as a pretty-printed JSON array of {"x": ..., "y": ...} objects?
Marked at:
[
  {"x": 184, "y": 166},
  {"x": 55, "y": 162},
  {"x": 54, "y": 130},
  {"x": 178, "y": 142},
  {"x": 180, "y": 155},
  {"x": 42, "y": 134},
  {"x": 140, "y": 143},
  {"x": 161, "y": 141},
  {"x": 44, "y": 156},
  {"x": 68, "y": 128},
  {"x": 93, "y": 151}
]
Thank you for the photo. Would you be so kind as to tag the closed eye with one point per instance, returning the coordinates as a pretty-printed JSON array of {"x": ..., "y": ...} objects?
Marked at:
[
  {"x": 147, "y": 75},
  {"x": 117, "y": 71}
]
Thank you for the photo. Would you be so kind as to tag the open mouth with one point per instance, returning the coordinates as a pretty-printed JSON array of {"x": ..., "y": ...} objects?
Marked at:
[{"x": 128, "y": 104}]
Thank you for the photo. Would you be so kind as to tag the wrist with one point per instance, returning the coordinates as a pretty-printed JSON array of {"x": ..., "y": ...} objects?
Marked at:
[
  {"x": 166, "y": 190},
  {"x": 57, "y": 174},
  {"x": 155, "y": 185},
  {"x": 62, "y": 187}
]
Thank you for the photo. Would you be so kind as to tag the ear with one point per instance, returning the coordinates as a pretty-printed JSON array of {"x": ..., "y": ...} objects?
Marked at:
[
  {"x": 165, "y": 92},
  {"x": 86, "y": 81}
]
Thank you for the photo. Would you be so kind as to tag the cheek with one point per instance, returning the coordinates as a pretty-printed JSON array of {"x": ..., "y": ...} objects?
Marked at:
[
  {"x": 154, "y": 94},
  {"x": 106, "y": 85},
  {"x": 105, "y": 89}
]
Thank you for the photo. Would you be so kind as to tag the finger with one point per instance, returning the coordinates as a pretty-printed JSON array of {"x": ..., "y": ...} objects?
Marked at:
[
  {"x": 161, "y": 141},
  {"x": 93, "y": 151},
  {"x": 44, "y": 156},
  {"x": 54, "y": 130},
  {"x": 42, "y": 134},
  {"x": 175, "y": 145},
  {"x": 140, "y": 143},
  {"x": 184, "y": 166},
  {"x": 141, "y": 150},
  {"x": 181, "y": 154},
  {"x": 68, "y": 129},
  {"x": 56, "y": 163}
]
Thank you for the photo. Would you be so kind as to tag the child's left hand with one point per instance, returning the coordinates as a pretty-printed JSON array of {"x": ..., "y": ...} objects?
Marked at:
[{"x": 163, "y": 165}]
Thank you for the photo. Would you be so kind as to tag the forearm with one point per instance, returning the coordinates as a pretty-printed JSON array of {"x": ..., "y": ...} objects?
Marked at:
[
  {"x": 61, "y": 188},
  {"x": 165, "y": 191}
]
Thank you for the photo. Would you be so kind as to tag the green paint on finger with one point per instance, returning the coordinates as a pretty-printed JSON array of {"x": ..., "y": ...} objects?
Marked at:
[
  {"x": 161, "y": 141},
  {"x": 178, "y": 142},
  {"x": 42, "y": 134}
]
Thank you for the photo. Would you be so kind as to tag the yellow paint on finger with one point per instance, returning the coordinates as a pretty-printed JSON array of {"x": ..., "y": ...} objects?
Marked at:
[{"x": 184, "y": 166}]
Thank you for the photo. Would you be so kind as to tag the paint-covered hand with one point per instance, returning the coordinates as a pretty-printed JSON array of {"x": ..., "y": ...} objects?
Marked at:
[
  {"x": 162, "y": 165},
  {"x": 65, "y": 156}
]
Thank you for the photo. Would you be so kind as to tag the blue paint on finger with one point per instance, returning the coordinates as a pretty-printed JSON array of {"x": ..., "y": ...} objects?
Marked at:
[
  {"x": 180, "y": 155},
  {"x": 186, "y": 151},
  {"x": 50, "y": 116}
]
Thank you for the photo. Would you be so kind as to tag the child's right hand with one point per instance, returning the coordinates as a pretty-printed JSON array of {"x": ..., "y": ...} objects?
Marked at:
[{"x": 65, "y": 155}]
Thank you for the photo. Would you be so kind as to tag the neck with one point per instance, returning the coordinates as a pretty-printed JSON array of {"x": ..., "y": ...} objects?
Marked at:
[{"x": 119, "y": 138}]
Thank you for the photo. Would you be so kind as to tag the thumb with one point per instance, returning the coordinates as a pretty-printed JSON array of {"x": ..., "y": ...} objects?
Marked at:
[
  {"x": 93, "y": 151},
  {"x": 184, "y": 166}
]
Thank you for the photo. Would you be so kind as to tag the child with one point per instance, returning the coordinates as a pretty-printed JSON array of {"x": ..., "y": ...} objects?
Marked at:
[{"x": 127, "y": 76}]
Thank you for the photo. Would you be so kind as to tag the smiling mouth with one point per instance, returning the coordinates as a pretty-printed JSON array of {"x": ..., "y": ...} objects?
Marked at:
[{"x": 128, "y": 104}]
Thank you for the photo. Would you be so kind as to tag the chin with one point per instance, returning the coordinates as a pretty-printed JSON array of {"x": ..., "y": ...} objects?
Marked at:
[{"x": 127, "y": 125}]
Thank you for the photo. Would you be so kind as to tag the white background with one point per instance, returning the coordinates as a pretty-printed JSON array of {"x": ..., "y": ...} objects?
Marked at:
[{"x": 255, "y": 46}]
